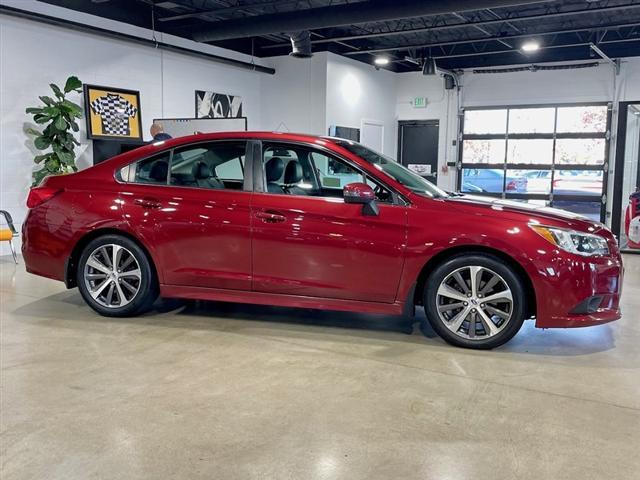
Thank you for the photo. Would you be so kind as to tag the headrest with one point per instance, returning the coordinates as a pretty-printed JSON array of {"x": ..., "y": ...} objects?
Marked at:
[
  {"x": 201, "y": 171},
  {"x": 293, "y": 172},
  {"x": 274, "y": 169},
  {"x": 159, "y": 171}
]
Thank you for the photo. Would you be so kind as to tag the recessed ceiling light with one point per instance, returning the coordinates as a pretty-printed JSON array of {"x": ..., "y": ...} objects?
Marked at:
[
  {"x": 381, "y": 61},
  {"x": 531, "y": 46}
]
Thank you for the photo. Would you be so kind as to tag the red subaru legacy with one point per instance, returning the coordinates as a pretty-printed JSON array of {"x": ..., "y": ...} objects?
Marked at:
[{"x": 305, "y": 221}]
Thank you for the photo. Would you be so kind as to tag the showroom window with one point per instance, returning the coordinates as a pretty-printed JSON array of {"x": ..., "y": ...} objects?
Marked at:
[{"x": 548, "y": 155}]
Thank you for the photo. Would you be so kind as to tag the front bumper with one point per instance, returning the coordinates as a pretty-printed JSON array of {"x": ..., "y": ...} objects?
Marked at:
[{"x": 572, "y": 291}]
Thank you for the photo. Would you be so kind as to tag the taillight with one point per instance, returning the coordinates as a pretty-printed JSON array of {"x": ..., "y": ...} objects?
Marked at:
[{"x": 39, "y": 195}]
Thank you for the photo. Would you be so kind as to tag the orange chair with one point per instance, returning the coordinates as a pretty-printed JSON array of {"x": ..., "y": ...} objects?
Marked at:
[{"x": 8, "y": 234}]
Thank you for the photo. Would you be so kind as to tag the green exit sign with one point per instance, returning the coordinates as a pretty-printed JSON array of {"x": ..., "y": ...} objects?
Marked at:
[{"x": 420, "y": 102}]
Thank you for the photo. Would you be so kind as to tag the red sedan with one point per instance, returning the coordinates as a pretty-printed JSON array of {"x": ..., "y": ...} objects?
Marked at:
[{"x": 304, "y": 221}]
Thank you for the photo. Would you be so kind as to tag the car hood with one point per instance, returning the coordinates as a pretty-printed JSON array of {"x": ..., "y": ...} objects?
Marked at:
[{"x": 539, "y": 212}]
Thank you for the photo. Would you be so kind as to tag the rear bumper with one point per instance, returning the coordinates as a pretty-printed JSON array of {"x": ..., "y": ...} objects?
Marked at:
[
  {"x": 44, "y": 252},
  {"x": 578, "y": 292}
]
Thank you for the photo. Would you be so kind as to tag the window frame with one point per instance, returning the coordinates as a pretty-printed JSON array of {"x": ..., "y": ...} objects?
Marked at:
[
  {"x": 260, "y": 179},
  {"x": 247, "y": 184},
  {"x": 553, "y": 166}
]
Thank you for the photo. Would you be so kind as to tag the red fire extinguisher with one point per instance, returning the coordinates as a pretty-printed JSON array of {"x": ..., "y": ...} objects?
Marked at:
[{"x": 632, "y": 220}]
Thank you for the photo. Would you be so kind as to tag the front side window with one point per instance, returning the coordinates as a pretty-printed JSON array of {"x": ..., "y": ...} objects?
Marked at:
[
  {"x": 218, "y": 165},
  {"x": 393, "y": 169},
  {"x": 300, "y": 170}
]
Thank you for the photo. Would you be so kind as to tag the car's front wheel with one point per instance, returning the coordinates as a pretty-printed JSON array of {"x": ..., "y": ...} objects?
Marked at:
[
  {"x": 115, "y": 277},
  {"x": 475, "y": 301}
]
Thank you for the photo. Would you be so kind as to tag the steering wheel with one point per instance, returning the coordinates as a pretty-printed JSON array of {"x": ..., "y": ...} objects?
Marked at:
[{"x": 381, "y": 194}]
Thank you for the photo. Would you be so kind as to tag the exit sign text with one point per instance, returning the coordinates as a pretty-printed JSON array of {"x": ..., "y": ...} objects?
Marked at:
[{"x": 420, "y": 102}]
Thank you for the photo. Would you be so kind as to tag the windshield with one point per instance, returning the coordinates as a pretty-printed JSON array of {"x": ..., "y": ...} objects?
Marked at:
[{"x": 399, "y": 173}]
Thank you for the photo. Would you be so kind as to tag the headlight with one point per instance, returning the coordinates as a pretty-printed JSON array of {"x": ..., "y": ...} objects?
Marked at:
[{"x": 580, "y": 243}]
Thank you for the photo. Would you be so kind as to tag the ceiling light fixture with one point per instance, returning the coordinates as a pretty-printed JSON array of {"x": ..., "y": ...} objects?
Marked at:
[
  {"x": 429, "y": 67},
  {"x": 531, "y": 46},
  {"x": 381, "y": 61}
]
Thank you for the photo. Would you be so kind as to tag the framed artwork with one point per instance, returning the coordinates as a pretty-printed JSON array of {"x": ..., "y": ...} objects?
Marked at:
[
  {"x": 217, "y": 105},
  {"x": 112, "y": 113}
]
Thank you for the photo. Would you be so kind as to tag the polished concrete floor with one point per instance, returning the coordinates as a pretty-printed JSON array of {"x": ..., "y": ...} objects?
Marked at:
[{"x": 222, "y": 391}]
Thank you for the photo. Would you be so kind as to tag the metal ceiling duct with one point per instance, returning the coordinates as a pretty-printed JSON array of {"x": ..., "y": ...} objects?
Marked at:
[
  {"x": 340, "y": 15},
  {"x": 535, "y": 68},
  {"x": 301, "y": 44}
]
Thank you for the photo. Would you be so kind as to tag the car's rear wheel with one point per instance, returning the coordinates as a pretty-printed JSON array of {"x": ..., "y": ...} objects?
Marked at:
[
  {"x": 115, "y": 277},
  {"x": 475, "y": 301}
]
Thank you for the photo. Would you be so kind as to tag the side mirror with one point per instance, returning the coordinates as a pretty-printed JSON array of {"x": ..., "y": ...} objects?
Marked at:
[{"x": 363, "y": 194}]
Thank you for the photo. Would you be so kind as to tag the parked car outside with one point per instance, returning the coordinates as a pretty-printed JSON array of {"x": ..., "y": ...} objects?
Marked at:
[
  {"x": 492, "y": 181},
  {"x": 565, "y": 182}
]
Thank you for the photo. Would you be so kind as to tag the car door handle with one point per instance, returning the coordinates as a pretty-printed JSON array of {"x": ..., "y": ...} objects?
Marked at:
[
  {"x": 147, "y": 202},
  {"x": 271, "y": 217}
]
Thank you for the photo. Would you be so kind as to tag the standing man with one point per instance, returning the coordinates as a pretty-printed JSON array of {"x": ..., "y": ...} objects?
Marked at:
[{"x": 157, "y": 132}]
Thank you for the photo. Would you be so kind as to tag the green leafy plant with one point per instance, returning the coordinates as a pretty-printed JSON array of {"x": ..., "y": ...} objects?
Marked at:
[{"x": 56, "y": 140}]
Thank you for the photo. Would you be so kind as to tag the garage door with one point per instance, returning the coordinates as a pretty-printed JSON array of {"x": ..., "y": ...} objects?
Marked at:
[{"x": 548, "y": 155}]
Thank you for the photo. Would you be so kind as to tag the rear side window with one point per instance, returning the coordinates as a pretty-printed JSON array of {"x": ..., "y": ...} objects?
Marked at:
[
  {"x": 153, "y": 170},
  {"x": 216, "y": 165},
  {"x": 231, "y": 169}
]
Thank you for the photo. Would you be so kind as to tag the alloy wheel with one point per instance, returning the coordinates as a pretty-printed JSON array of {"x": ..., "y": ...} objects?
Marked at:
[
  {"x": 474, "y": 302},
  {"x": 112, "y": 276}
]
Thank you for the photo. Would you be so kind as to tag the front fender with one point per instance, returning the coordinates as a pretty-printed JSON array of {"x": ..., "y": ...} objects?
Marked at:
[{"x": 429, "y": 241}]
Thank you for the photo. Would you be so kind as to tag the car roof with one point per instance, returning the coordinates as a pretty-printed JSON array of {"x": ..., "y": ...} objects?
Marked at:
[{"x": 258, "y": 135}]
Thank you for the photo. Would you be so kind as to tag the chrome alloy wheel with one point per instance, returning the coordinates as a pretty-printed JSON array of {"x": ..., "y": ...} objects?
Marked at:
[
  {"x": 112, "y": 276},
  {"x": 474, "y": 302}
]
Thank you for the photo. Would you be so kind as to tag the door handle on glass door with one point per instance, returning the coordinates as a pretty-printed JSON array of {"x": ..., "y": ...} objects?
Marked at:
[
  {"x": 147, "y": 202},
  {"x": 270, "y": 217}
]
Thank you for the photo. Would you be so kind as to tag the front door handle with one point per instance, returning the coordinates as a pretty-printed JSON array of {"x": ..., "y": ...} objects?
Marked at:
[
  {"x": 271, "y": 217},
  {"x": 147, "y": 202}
]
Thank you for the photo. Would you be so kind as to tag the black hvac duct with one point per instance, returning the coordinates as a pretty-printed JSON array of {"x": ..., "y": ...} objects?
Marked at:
[
  {"x": 301, "y": 44},
  {"x": 340, "y": 15},
  {"x": 535, "y": 68}
]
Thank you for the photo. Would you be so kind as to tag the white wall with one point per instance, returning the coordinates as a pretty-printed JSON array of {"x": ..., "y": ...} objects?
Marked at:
[
  {"x": 32, "y": 55},
  {"x": 294, "y": 99},
  {"x": 556, "y": 86},
  {"x": 357, "y": 91}
]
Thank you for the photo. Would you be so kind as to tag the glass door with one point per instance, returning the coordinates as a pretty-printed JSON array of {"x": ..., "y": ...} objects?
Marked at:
[{"x": 627, "y": 178}]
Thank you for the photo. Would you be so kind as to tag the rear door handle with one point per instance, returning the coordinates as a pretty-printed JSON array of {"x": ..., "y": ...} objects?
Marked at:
[
  {"x": 271, "y": 217},
  {"x": 148, "y": 202}
]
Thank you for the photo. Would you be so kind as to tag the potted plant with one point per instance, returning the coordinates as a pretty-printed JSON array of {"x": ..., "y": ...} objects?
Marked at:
[{"x": 56, "y": 139}]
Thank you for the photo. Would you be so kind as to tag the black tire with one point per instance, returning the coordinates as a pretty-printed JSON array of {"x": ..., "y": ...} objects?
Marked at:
[
  {"x": 510, "y": 278},
  {"x": 147, "y": 291}
]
